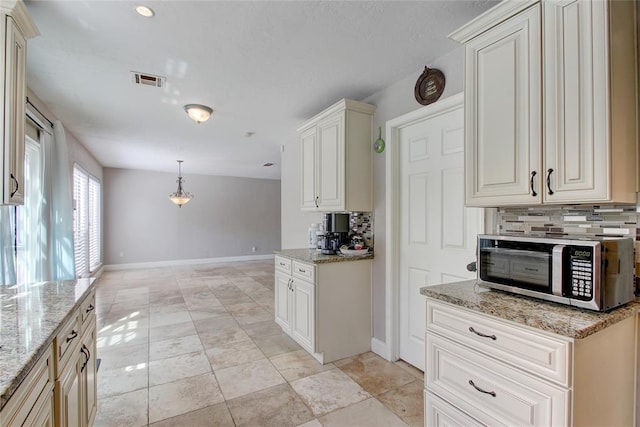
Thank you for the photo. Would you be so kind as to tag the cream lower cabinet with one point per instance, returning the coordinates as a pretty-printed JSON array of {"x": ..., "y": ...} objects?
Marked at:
[
  {"x": 75, "y": 387},
  {"x": 32, "y": 404},
  {"x": 550, "y": 103},
  {"x": 336, "y": 159},
  {"x": 481, "y": 370},
  {"x": 325, "y": 307}
]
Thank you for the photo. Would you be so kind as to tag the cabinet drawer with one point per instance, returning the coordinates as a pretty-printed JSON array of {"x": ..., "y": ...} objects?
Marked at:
[
  {"x": 490, "y": 391},
  {"x": 438, "y": 413},
  {"x": 34, "y": 388},
  {"x": 66, "y": 342},
  {"x": 536, "y": 353},
  {"x": 283, "y": 264},
  {"x": 88, "y": 310},
  {"x": 303, "y": 271}
]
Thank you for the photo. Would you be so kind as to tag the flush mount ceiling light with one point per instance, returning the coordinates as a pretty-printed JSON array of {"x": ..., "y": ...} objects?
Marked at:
[
  {"x": 198, "y": 113},
  {"x": 145, "y": 11},
  {"x": 180, "y": 197}
]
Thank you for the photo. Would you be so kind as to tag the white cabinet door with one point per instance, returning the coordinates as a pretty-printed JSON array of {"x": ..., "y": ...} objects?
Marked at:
[
  {"x": 330, "y": 163},
  {"x": 576, "y": 101},
  {"x": 283, "y": 295},
  {"x": 14, "y": 114},
  {"x": 88, "y": 377},
  {"x": 303, "y": 327},
  {"x": 438, "y": 413},
  {"x": 503, "y": 113},
  {"x": 308, "y": 197}
]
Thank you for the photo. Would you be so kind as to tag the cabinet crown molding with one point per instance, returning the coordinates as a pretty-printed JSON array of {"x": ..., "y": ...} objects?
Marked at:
[
  {"x": 18, "y": 11},
  {"x": 343, "y": 104},
  {"x": 490, "y": 18}
]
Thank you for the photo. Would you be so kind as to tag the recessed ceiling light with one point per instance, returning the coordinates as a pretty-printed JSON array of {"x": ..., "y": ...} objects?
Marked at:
[{"x": 145, "y": 11}]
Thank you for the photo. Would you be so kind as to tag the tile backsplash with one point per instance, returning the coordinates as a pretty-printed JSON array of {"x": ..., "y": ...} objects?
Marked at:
[
  {"x": 362, "y": 223},
  {"x": 610, "y": 220}
]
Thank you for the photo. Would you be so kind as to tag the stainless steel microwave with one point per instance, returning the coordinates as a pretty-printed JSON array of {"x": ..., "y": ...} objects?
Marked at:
[{"x": 595, "y": 273}]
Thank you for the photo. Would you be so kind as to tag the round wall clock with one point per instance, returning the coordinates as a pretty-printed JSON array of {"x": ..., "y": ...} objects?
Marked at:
[{"x": 429, "y": 86}]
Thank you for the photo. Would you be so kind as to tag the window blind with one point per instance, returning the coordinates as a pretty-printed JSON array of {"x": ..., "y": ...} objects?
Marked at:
[
  {"x": 80, "y": 221},
  {"x": 94, "y": 224}
]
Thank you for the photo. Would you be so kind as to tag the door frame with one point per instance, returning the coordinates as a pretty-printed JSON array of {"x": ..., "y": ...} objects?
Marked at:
[{"x": 392, "y": 199}]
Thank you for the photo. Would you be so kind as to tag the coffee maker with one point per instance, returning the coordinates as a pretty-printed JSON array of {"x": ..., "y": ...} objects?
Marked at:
[{"x": 336, "y": 228}]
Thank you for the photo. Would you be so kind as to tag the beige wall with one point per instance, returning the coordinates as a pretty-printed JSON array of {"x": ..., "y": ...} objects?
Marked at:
[{"x": 227, "y": 217}]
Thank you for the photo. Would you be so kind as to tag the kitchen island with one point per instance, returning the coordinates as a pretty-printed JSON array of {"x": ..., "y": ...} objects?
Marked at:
[
  {"x": 494, "y": 358},
  {"x": 33, "y": 318},
  {"x": 323, "y": 302}
]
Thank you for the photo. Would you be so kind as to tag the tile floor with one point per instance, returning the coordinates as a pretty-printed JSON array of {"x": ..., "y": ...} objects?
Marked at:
[{"x": 197, "y": 346}]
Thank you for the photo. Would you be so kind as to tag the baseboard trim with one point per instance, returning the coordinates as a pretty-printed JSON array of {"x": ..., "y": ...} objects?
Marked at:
[
  {"x": 380, "y": 348},
  {"x": 170, "y": 263}
]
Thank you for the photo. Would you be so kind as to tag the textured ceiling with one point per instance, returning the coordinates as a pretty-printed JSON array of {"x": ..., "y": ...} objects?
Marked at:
[{"x": 264, "y": 66}]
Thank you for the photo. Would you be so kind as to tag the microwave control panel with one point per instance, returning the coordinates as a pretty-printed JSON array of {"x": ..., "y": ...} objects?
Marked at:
[{"x": 581, "y": 280}]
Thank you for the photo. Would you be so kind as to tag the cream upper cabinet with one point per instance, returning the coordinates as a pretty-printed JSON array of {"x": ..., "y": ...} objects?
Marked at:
[
  {"x": 16, "y": 26},
  {"x": 502, "y": 105},
  {"x": 336, "y": 159},
  {"x": 589, "y": 101},
  {"x": 550, "y": 90}
]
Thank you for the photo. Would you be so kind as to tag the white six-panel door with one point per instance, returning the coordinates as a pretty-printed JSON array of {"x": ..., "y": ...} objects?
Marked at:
[{"x": 437, "y": 233}]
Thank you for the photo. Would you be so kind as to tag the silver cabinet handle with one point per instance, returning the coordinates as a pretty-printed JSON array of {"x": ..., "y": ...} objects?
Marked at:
[
  {"x": 492, "y": 393},
  {"x": 480, "y": 334}
]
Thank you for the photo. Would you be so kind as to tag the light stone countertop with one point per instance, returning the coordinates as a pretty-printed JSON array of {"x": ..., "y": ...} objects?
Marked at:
[
  {"x": 312, "y": 256},
  {"x": 551, "y": 317},
  {"x": 30, "y": 317}
]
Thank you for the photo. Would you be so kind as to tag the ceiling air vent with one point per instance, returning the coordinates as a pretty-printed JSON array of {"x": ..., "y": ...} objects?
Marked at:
[{"x": 148, "y": 79}]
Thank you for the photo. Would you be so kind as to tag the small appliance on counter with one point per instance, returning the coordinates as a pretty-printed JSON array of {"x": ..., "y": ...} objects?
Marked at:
[
  {"x": 336, "y": 231},
  {"x": 595, "y": 273}
]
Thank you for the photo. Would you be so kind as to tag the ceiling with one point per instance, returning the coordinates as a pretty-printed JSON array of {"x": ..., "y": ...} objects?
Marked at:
[{"x": 263, "y": 66}]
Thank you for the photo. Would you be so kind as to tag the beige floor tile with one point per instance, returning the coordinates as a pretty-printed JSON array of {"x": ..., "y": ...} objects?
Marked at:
[
  {"x": 211, "y": 416},
  {"x": 277, "y": 406},
  {"x": 128, "y": 409},
  {"x": 298, "y": 364},
  {"x": 277, "y": 344},
  {"x": 232, "y": 354},
  {"x": 122, "y": 380},
  {"x": 407, "y": 402},
  {"x": 174, "y": 347},
  {"x": 207, "y": 312},
  {"x": 130, "y": 355},
  {"x": 262, "y": 329},
  {"x": 377, "y": 375},
  {"x": 248, "y": 378},
  {"x": 183, "y": 396},
  {"x": 122, "y": 339},
  {"x": 215, "y": 324},
  {"x": 312, "y": 423},
  {"x": 249, "y": 313},
  {"x": 411, "y": 369},
  {"x": 164, "y": 319},
  {"x": 223, "y": 336},
  {"x": 175, "y": 330},
  {"x": 327, "y": 391},
  {"x": 176, "y": 368},
  {"x": 348, "y": 360},
  {"x": 369, "y": 413}
]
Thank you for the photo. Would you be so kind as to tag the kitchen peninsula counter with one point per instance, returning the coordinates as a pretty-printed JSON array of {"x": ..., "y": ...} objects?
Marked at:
[
  {"x": 30, "y": 317},
  {"x": 313, "y": 256},
  {"x": 559, "y": 319}
]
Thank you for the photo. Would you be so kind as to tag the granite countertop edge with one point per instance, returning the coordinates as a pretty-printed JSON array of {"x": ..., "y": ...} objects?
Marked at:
[
  {"x": 570, "y": 322},
  {"x": 9, "y": 388},
  {"x": 314, "y": 257}
]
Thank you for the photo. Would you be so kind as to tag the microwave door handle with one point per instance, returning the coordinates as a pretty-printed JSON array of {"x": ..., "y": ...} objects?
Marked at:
[{"x": 556, "y": 268}]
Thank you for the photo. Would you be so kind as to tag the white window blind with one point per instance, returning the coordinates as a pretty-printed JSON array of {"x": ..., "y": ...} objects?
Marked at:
[
  {"x": 86, "y": 222},
  {"x": 94, "y": 224}
]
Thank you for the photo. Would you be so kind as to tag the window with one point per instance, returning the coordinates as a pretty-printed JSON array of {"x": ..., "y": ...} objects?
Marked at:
[{"x": 86, "y": 222}]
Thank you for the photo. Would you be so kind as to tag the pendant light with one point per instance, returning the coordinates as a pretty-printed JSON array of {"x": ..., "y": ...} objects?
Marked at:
[{"x": 180, "y": 197}]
